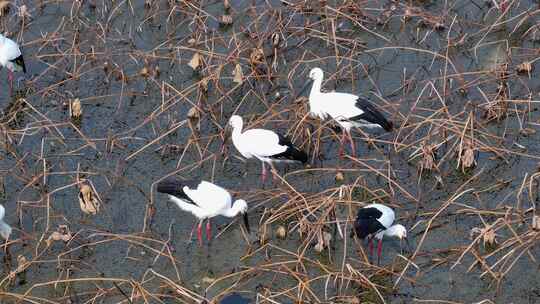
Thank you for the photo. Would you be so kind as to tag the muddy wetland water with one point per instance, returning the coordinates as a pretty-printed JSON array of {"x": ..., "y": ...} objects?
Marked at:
[{"x": 120, "y": 94}]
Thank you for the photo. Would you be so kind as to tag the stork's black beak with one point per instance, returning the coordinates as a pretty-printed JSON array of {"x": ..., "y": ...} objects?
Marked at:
[
  {"x": 407, "y": 246},
  {"x": 246, "y": 221},
  {"x": 304, "y": 88}
]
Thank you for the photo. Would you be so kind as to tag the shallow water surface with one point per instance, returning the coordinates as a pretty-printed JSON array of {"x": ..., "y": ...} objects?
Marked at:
[{"x": 448, "y": 73}]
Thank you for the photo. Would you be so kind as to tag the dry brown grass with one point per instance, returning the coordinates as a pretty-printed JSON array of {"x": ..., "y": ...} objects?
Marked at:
[{"x": 457, "y": 122}]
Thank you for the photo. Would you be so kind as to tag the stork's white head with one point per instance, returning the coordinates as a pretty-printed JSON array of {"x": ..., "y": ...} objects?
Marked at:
[
  {"x": 399, "y": 231},
  {"x": 236, "y": 122},
  {"x": 316, "y": 74},
  {"x": 241, "y": 205}
]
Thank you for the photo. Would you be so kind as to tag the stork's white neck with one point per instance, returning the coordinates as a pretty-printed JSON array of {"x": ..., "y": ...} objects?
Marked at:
[
  {"x": 315, "y": 88},
  {"x": 232, "y": 212},
  {"x": 394, "y": 230},
  {"x": 316, "y": 101},
  {"x": 237, "y": 131}
]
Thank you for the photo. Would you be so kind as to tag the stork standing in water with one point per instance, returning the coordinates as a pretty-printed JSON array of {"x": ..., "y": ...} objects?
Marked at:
[
  {"x": 265, "y": 145},
  {"x": 347, "y": 110},
  {"x": 11, "y": 58},
  {"x": 204, "y": 200},
  {"x": 375, "y": 221}
]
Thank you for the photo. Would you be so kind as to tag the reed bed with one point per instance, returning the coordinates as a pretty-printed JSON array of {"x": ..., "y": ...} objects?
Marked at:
[{"x": 121, "y": 94}]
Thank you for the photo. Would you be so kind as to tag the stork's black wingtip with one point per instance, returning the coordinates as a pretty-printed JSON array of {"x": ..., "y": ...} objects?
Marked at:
[
  {"x": 246, "y": 222},
  {"x": 389, "y": 127},
  {"x": 20, "y": 62},
  {"x": 304, "y": 157}
]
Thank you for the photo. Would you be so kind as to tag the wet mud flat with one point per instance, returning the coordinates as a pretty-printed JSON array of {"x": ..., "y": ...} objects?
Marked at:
[{"x": 120, "y": 94}]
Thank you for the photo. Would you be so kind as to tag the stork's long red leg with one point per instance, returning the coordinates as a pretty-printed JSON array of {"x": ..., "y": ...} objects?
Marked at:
[
  {"x": 341, "y": 144},
  {"x": 10, "y": 79},
  {"x": 353, "y": 147},
  {"x": 274, "y": 172},
  {"x": 504, "y": 5},
  {"x": 263, "y": 172},
  {"x": 370, "y": 244},
  {"x": 193, "y": 229},
  {"x": 379, "y": 251},
  {"x": 208, "y": 230},
  {"x": 199, "y": 232}
]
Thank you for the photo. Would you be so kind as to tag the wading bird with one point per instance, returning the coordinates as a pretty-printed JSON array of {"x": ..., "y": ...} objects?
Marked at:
[
  {"x": 204, "y": 200},
  {"x": 11, "y": 58},
  {"x": 347, "y": 110},
  {"x": 265, "y": 145},
  {"x": 375, "y": 221},
  {"x": 5, "y": 229}
]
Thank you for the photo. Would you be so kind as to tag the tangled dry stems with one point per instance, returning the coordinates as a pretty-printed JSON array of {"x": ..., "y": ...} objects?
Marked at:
[{"x": 457, "y": 122}]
